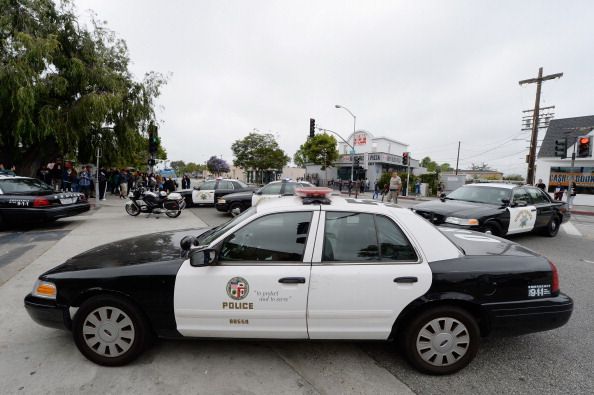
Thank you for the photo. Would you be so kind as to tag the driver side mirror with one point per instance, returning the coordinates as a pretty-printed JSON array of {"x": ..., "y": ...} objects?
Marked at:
[
  {"x": 258, "y": 192},
  {"x": 442, "y": 196},
  {"x": 505, "y": 202},
  {"x": 203, "y": 257}
]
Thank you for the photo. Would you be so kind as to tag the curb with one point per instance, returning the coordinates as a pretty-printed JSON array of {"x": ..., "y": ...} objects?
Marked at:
[{"x": 591, "y": 213}]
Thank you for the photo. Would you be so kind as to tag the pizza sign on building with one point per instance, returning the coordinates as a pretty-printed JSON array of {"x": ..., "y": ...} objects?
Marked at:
[{"x": 360, "y": 139}]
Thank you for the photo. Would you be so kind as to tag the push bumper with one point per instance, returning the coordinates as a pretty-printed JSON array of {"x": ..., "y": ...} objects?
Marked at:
[
  {"x": 528, "y": 316},
  {"x": 48, "y": 312}
]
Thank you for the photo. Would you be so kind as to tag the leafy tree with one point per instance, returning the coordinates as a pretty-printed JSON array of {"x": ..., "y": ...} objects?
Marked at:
[
  {"x": 445, "y": 167},
  {"x": 319, "y": 150},
  {"x": 258, "y": 152},
  {"x": 217, "y": 165},
  {"x": 513, "y": 177},
  {"x": 482, "y": 167},
  {"x": 67, "y": 89},
  {"x": 433, "y": 166},
  {"x": 178, "y": 165}
]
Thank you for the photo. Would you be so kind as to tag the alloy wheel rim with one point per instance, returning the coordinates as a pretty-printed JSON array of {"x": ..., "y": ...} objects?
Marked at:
[
  {"x": 443, "y": 341},
  {"x": 108, "y": 331}
]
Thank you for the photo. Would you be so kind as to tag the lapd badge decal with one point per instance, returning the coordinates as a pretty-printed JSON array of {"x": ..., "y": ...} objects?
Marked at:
[
  {"x": 238, "y": 288},
  {"x": 523, "y": 216}
]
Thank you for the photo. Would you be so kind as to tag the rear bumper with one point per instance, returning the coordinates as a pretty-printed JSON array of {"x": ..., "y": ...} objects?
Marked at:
[
  {"x": 528, "y": 316},
  {"x": 44, "y": 213},
  {"x": 48, "y": 312}
]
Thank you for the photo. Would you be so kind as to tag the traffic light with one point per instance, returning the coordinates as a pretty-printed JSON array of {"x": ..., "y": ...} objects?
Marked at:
[
  {"x": 357, "y": 161},
  {"x": 153, "y": 138},
  {"x": 405, "y": 158},
  {"x": 561, "y": 148},
  {"x": 312, "y": 127},
  {"x": 152, "y": 162},
  {"x": 584, "y": 144}
]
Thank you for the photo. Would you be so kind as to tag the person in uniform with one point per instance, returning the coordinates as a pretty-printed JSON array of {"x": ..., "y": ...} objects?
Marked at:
[{"x": 395, "y": 187}]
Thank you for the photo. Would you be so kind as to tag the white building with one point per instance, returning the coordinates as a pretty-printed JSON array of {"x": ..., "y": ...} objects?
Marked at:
[
  {"x": 556, "y": 172},
  {"x": 376, "y": 155}
]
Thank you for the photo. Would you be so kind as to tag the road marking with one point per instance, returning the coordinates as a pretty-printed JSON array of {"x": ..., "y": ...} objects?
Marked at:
[{"x": 570, "y": 229}]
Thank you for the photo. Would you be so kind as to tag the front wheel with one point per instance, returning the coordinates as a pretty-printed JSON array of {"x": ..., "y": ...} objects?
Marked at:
[
  {"x": 235, "y": 209},
  {"x": 110, "y": 331},
  {"x": 552, "y": 227},
  {"x": 132, "y": 208},
  {"x": 441, "y": 340}
]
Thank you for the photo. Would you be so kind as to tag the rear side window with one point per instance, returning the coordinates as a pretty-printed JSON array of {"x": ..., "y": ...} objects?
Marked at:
[
  {"x": 207, "y": 186},
  {"x": 272, "y": 189},
  {"x": 359, "y": 237},
  {"x": 225, "y": 184}
]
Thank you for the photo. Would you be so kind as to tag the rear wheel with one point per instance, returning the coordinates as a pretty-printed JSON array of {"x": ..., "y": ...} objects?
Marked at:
[
  {"x": 235, "y": 209},
  {"x": 173, "y": 214},
  {"x": 132, "y": 209},
  {"x": 552, "y": 227},
  {"x": 441, "y": 340},
  {"x": 110, "y": 331}
]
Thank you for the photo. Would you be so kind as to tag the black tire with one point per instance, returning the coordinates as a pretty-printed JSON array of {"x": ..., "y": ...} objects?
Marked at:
[
  {"x": 174, "y": 214},
  {"x": 457, "y": 336},
  {"x": 120, "y": 336},
  {"x": 552, "y": 227},
  {"x": 234, "y": 206},
  {"x": 132, "y": 209},
  {"x": 493, "y": 228}
]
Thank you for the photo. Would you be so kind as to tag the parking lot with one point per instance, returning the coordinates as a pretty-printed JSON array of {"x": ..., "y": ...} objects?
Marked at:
[{"x": 36, "y": 359}]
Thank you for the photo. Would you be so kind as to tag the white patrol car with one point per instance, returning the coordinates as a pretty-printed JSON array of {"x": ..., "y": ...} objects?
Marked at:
[{"x": 309, "y": 267}]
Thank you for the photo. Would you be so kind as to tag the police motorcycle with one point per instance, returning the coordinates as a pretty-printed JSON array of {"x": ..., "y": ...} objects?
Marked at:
[{"x": 145, "y": 201}]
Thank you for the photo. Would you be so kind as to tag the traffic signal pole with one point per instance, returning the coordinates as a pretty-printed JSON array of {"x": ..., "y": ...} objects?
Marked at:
[{"x": 535, "y": 120}]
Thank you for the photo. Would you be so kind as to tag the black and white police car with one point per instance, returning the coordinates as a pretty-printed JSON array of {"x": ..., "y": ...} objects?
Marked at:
[
  {"x": 29, "y": 200},
  {"x": 309, "y": 267},
  {"x": 211, "y": 190},
  {"x": 496, "y": 208}
]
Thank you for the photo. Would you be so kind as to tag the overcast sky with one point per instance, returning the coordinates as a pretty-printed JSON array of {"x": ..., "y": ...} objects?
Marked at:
[{"x": 427, "y": 73}]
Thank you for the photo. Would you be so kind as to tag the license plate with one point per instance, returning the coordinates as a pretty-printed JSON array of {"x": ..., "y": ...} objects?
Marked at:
[{"x": 68, "y": 200}]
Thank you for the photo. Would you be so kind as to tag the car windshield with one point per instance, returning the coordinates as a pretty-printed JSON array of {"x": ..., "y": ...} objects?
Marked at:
[
  {"x": 214, "y": 233},
  {"x": 24, "y": 186},
  {"x": 475, "y": 194}
]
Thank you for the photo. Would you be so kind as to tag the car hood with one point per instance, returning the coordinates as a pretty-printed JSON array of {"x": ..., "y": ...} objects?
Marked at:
[
  {"x": 239, "y": 195},
  {"x": 477, "y": 243},
  {"x": 458, "y": 208},
  {"x": 154, "y": 247}
]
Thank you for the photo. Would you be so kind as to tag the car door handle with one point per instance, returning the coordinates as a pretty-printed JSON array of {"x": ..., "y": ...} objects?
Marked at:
[
  {"x": 533, "y": 209},
  {"x": 406, "y": 280},
  {"x": 292, "y": 280}
]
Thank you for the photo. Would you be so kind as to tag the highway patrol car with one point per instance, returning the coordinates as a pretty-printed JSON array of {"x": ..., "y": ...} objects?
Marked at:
[
  {"x": 211, "y": 190},
  {"x": 309, "y": 267},
  {"x": 498, "y": 209}
]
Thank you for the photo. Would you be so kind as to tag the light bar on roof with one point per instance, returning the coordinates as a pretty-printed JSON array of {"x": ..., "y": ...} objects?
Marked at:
[{"x": 313, "y": 192}]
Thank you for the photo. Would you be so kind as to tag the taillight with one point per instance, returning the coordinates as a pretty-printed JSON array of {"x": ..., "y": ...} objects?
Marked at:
[
  {"x": 555, "y": 281},
  {"x": 41, "y": 202}
]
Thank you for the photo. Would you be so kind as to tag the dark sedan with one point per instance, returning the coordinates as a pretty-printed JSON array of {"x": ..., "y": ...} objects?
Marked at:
[
  {"x": 499, "y": 209},
  {"x": 29, "y": 200}
]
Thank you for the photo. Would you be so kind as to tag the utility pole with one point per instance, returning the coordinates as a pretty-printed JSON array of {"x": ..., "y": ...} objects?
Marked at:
[
  {"x": 535, "y": 119},
  {"x": 458, "y": 158}
]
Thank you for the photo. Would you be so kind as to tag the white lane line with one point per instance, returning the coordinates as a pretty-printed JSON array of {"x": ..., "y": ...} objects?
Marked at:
[{"x": 570, "y": 229}]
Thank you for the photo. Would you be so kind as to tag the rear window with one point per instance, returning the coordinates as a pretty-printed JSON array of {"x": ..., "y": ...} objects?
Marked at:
[{"x": 24, "y": 186}]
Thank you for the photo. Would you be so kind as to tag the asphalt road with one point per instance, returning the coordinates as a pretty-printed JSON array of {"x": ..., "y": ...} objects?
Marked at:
[{"x": 554, "y": 362}]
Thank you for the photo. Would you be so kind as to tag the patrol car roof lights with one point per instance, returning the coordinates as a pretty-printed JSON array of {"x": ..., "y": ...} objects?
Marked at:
[{"x": 314, "y": 195}]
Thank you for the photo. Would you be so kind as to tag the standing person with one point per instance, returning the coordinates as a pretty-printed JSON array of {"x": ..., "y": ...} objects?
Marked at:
[
  {"x": 385, "y": 191},
  {"x": 541, "y": 185},
  {"x": 123, "y": 184},
  {"x": 572, "y": 195},
  {"x": 186, "y": 182},
  {"x": 67, "y": 180},
  {"x": 57, "y": 177},
  {"x": 85, "y": 181},
  {"x": 395, "y": 187},
  {"x": 102, "y": 183},
  {"x": 43, "y": 174},
  {"x": 376, "y": 190},
  {"x": 417, "y": 187},
  {"x": 75, "y": 180}
]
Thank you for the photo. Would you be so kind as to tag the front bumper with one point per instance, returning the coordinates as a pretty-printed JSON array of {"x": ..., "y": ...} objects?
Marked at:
[
  {"x": 528, "y": 316},
  {"x": 48, "y": 312}
]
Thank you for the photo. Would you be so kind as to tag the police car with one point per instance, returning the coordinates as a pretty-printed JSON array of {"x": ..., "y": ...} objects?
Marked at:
[
  {"x": 211, "y": 190},
  {"x": 29, "y": 200},
  {"x": 498, "y": 209},
  {"x": 313, "y": 266}
]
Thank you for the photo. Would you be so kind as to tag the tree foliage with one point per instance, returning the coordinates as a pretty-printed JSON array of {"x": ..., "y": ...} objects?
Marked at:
[
  {"x": 482, "y": 167},
  {"x": 513, "y": 177},
  {"x": 217, "y": 165},
  {"x": 67, "y": 89},
  {"x": 258, "y": 152},
  {"x": 319, "y": 150},
  {"x": 433, "y": 166}
]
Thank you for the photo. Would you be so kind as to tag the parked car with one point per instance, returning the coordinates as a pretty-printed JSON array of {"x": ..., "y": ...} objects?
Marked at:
[
  {"x": 210, "y": 191},
  {"x": 236, "y": 203},
  {"x": 310, "y": 267},
  {"x": 499, "y": 209},
  {"x": 29, "y": 200}
]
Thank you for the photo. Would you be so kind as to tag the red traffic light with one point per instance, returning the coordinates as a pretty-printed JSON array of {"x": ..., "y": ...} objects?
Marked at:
[{"x": 584, "y": 140}]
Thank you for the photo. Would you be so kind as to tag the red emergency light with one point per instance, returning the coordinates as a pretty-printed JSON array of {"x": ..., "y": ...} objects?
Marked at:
[{"x": 313, "y": 192}]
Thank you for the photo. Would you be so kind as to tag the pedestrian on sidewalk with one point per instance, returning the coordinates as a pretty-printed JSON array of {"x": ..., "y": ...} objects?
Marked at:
[
  {"x": 385, "y": 191},
  {"x": 123, "y": 184},
  {"x": 572, "y": 195},
  {"x": 86, "y": 179},
  {"x": 395, "y": 187},
  {"x": 102, "y": 183},
  {"x": 418, "y": 188},
  {"x": 376, "y": 190},
  {"x": 541, "y": 185}
]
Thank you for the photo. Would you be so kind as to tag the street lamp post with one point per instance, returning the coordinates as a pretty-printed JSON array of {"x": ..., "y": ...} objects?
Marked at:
[{"x": 353, "y": 146}]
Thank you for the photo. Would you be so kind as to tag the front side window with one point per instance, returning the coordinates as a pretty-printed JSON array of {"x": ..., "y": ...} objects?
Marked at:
[
  {"x": 272, "y": 189},
  {"x": 359, "y": 237},
  {"x": 520, "y": 194},
  {"x": 538, "y": 196},
  {"x": 273, "y": 238},
  {"x": 207, "y": 186}
]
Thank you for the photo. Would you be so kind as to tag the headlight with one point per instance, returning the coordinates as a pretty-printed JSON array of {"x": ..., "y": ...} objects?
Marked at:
[
  {"x": 44, "y": 289},
  {"x": 462, "y": 221},
  {"x": 222, "y": 201}
]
